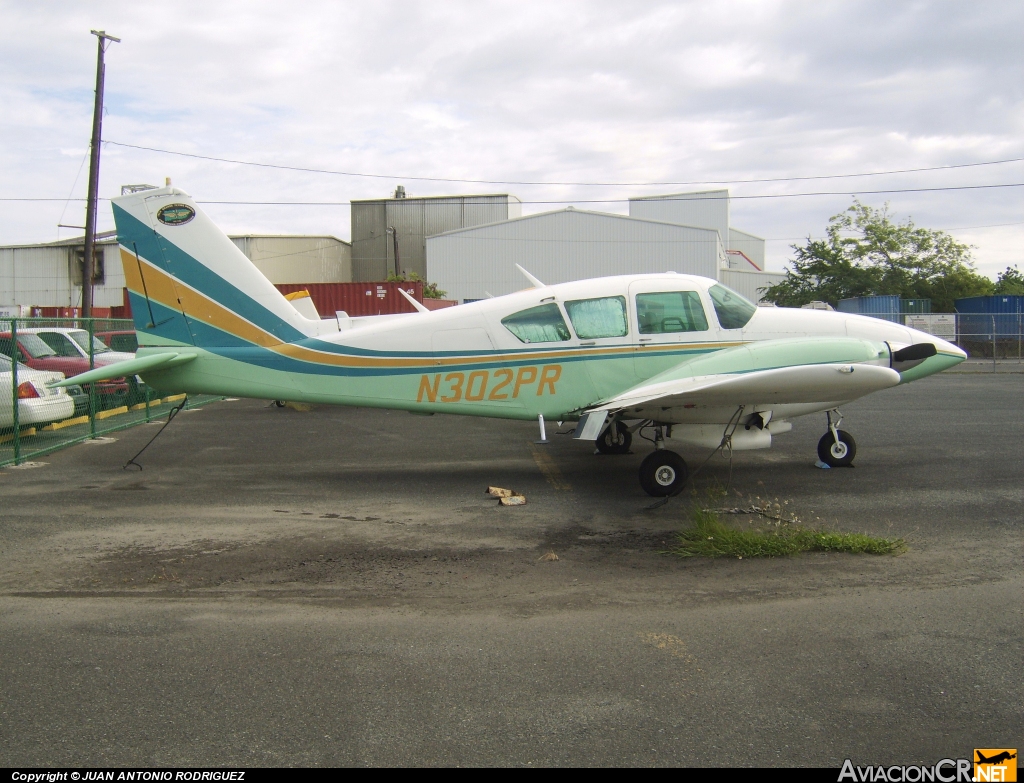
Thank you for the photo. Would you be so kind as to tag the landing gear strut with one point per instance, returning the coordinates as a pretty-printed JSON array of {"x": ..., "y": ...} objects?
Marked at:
[
  {"x": 615, "y": 439},
  {"x": 663, "y": 472},
  {"x": 837, "y": 448}
]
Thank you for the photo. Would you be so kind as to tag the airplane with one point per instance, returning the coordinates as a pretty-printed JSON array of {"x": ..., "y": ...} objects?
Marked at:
[
  {"x": 678, "y": 356},
  {"x": 996, "y": 759}
]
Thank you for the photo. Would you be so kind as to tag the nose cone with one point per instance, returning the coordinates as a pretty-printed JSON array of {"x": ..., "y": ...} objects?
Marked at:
[{"x": 946, "y": 355}]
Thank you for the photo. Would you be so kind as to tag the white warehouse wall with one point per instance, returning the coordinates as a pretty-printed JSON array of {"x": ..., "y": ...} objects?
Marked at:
[
  {"x": 562, "y": 246},
  {"x": 705, "y": 209},
  {"x": 748, "y": 283}
]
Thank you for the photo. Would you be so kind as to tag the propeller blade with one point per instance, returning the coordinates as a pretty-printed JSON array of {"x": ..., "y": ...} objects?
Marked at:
[{"x": 913, "y": 353}]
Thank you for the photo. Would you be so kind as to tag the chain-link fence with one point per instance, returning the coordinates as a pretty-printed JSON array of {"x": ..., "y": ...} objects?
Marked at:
[{"x": 36, "y": 419}]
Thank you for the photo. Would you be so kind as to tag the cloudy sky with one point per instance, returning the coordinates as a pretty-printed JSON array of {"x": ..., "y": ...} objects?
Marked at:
[{"x": 548, "y": 92}]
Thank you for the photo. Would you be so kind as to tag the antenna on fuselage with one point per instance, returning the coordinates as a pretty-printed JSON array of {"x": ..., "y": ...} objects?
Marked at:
[
  {"x": 418, "y": 305},
  {"x": 537, "y": 283}
]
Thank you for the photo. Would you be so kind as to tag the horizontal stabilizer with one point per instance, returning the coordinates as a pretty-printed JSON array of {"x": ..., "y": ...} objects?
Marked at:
[
  {"x": 783, "y": 385},
  {"x": 130, "y": 367}
]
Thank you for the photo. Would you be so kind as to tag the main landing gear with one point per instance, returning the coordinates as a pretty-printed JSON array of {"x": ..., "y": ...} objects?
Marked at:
[
  {"x": 837, "y": 448},
  {"x": 615, "y": 439},
  {"x": 663, "y": 472}
]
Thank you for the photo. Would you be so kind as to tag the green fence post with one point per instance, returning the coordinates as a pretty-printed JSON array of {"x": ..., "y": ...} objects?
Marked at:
[
  {"x": 16, "y": 436},
  {"x": 92, "y": 386}
]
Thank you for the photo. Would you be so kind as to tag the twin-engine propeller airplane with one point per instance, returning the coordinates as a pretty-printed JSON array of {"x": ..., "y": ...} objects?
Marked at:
[{"x": 682, "y": 355}]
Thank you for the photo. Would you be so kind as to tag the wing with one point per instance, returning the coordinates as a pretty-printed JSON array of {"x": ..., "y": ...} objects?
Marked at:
[{"x": 777, "y": 386}]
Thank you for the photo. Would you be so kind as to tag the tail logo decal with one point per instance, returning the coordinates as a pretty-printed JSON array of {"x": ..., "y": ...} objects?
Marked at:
[{"x": 175, "y": 214}]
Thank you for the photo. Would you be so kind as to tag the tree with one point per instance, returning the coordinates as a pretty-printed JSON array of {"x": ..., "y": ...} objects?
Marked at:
[
  {"x": 1010, "y": 282},
  {"x": 866, "y": 253},
  {"x": 430, "y": 290}
]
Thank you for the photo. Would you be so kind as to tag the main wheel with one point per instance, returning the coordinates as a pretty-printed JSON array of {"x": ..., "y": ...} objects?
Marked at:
[
  {"x": 614, "y": 444},
  {"x": 837, "y": 455},
  {"x": 663, "y": 473}
]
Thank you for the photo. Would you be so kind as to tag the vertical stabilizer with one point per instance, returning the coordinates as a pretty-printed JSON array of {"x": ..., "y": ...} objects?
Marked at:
[{"x": 190, "y": 285}]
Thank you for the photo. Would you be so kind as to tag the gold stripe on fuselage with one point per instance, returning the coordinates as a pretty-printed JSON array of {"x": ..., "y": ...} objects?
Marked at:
[{"x": 176, "y": 295}]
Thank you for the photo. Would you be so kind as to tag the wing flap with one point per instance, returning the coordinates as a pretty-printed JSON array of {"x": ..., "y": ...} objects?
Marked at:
[{"x": 779, "y": 386}]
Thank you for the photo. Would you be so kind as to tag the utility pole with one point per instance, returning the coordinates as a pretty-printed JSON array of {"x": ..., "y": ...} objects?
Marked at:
[{"x": 94, "y": 173}]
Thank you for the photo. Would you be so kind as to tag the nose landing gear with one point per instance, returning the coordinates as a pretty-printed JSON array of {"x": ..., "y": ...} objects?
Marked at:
[{"x": 837, "y": 448}]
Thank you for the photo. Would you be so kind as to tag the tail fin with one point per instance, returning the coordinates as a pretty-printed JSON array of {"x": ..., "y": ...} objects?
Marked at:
[{"x": 190, "y": 285}]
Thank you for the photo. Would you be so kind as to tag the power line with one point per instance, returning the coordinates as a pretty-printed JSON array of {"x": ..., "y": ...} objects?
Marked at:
[
  {"x": 309, "y": 170},
  {"x": 609, "y": 200}
]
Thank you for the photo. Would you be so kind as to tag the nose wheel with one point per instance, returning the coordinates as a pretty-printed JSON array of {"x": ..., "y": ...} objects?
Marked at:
[{"x": 837, "y": 448}]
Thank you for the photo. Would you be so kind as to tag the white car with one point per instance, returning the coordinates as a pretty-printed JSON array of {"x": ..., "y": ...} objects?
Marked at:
[
  {"x": 75, "y": 343},
  {"x": 37, "y": 403}
]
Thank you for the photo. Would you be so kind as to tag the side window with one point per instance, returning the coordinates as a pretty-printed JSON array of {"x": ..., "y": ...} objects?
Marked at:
[
  {"x": 669, "y": 312},
  {"x": 543, "y": 324},
  {"x": 592, "y": 318},
  {"x": 124, "y": 342},
  {"x": 733, "y": 310},
  {"x": 5, "y": 346},
  {"x": 60, "y": 344}
]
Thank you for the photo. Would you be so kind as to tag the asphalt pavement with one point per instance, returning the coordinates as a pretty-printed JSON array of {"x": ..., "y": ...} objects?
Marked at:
[{"x": 333, "y": 587}]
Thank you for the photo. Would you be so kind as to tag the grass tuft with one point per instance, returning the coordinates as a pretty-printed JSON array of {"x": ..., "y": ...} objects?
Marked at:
[{"x": 709, "y": 537}]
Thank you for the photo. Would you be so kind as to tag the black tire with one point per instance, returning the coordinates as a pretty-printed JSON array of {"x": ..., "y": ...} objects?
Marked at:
[
  {"x": 617, "y": 444},
  {"x": 837, "y": 455},
  {"x": 279, "y": 403},
  {"x": 663, "y": 473}
]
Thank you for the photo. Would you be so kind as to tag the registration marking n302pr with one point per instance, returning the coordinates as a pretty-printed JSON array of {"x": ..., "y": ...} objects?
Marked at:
[{"x": 491, "y": 385}]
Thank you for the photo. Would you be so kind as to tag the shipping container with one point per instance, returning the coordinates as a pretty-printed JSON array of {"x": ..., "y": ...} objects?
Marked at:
[
  {"x": 915, "y": 306},
  {"x": 885, "y": 307},
  {"x": 358, "y": 298},
  {"x": 991, "y": 325}
]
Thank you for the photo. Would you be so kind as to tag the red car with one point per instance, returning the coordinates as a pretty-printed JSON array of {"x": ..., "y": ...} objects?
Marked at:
[
  {"x": 40, "y": 356},
  {"x": 123, "y": 340}
]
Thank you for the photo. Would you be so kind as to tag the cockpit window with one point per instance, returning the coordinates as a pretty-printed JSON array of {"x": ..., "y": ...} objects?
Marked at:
[
  {"x": 543, "y": 324},
  {"x": 733, "y": 310},
  {"x": 671, "y": 311},
  {"x": 593, "y": 318}
]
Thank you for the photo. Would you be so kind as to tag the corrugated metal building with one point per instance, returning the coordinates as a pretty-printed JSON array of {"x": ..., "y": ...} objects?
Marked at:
[
  {"x": 574, "y": 244},
  {"x": 562, "y": 246},
  {"x": 50, "y": 274},
  {"x": 291, "y": 259},
  {"x": 375, "y": 222},
  {"x": 705, "y": 209},
  {"x": 749, "y": 283}
]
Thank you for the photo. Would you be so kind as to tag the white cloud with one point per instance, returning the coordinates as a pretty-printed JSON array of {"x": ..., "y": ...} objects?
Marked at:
[{"x": 572, "y": 91}]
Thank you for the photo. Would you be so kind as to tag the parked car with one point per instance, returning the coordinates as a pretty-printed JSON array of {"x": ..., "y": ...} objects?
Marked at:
[
  {"x": 38, "y": 404},
  {"x": 34, "y": 352},
  {"x": 75, "y": 342},
  {"x": 122, "y": 340}
]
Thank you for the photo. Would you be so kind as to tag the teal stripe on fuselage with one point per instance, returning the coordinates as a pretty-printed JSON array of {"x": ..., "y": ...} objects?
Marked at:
[{"x": 223, "y": 344}]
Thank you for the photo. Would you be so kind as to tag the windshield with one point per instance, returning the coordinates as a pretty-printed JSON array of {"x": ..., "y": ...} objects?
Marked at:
[
  {"x": 733, "y": 310},
  {"x": 82, "y": 338},
  {"x": 30, "y": 344},
  {"x": 543, "y": 324}
]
